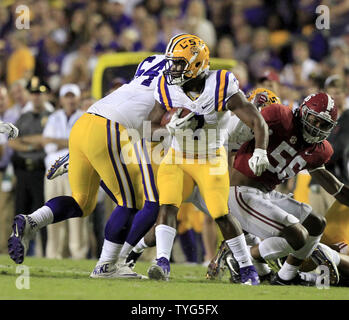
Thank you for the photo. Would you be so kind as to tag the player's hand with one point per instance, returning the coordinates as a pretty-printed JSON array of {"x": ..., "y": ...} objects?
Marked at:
[
  {"x": 179, "y": 123},
  {"x": 260, "y": 99},
  {"x": 9, "y": 129},
  {"x": 259, "y": 161}
]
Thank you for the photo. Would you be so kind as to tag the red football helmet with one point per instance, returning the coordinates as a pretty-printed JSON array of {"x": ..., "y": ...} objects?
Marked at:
[{"x": 318, "y": 116}]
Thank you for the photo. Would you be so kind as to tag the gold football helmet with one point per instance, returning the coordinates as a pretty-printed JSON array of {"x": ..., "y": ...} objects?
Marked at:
[
  {"x": 262, "y": 97},
  {"x": 187, "y": 57}
]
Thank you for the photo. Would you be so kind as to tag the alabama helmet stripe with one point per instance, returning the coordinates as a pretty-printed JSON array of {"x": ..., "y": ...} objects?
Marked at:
[{"x": 330, "y": 103}]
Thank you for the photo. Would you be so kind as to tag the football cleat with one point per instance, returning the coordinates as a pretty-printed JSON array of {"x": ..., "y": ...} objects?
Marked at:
[
  {"x": 132, "y": 258},
  {"x": 233, "y": 267},
  {"x": 321, "y": 256},
  {"x": 123, "y": 271},
  {"x": 216, "y": 267},
  {"x": 23, "y": 230},
  {"x": 112, "y": 270},
  {"x": 103, "y": 270},
  {"x": 249, "y": 276},
  {"x": 59, "y": 168},
  {"x": 160, "y": 270},
  {"x": 274, "y": 264},
  {"x": 297, "y": 280}
]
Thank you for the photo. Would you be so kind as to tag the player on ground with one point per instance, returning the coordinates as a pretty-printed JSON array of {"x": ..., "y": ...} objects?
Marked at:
[
  {"x": 187, "y": 82},
  {"x": 296, "y": 142}
]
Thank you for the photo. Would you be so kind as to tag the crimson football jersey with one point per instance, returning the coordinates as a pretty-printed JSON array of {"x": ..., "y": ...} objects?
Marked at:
[{"x": 287, "y": 152}]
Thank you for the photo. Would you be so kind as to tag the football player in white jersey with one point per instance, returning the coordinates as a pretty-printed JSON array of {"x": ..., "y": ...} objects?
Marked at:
[
  {"x": 96, "y": 152},
  {"x": 187, "y": 82}
]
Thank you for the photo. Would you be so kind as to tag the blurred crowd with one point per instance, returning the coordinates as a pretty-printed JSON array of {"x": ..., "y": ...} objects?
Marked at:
[{"x": 48, "y": 67}]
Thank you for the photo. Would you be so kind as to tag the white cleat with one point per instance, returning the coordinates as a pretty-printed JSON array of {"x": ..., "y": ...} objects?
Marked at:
[
  {"x": 123, "y": 271},
  {"x": 59, "y": 168},
  {"x": 23, "y": 230},
  {"x": 104, "y": 270},
  {"x": 322, "y": 256}
]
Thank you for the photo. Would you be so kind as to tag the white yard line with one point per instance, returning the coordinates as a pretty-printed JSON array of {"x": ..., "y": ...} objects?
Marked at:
[{"x": 45, "y": 269}]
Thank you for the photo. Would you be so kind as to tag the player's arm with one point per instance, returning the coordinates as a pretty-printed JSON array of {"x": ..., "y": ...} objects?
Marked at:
[
  {"x": 331, "y": 184},
  {"x": 249, "y": 114}
]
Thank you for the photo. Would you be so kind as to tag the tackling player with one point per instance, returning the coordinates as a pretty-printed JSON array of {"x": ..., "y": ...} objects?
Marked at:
[{"x": 297, "y": 141}]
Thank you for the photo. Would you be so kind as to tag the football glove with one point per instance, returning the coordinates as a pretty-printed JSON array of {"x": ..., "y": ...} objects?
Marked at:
[
  {"x": 259, "y": 162},
  {"x": 9, "y": 129},
  {"x": 179, "y": 123},
  {"x": 260, "y": 100}
]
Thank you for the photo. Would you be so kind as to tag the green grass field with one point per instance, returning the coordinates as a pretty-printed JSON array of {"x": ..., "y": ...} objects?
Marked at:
[{"x": 69, "y": 279}]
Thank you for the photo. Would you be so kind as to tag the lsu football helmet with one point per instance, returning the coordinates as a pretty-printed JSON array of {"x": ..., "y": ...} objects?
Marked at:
[
  {"x": 318, "y": 115},
  {"x": 187, "y": 57},
  {"x": 262, "y": 97}
]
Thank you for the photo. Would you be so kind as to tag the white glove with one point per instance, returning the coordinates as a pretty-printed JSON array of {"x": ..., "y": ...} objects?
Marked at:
[
  {"x": 9, "y": 129},
  {"x": 259, "y": 161},
  {"x": 179, "y": 123}
]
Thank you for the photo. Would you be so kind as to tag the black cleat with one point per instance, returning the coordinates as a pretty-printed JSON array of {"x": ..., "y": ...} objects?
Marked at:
[
  {"x": 216, "y": 267},
  {"x": 275, "y": 280},
  {"x": 132, "y": 258}
]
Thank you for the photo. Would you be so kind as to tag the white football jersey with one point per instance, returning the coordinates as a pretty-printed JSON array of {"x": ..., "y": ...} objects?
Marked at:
[
  {"x": 130, "y": 104},
  {"x": 210, "y": 124}
]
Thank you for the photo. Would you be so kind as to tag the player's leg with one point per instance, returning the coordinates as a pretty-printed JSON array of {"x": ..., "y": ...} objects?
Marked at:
[
  {"x": 170, "y": 186},
  {"x": 212, "y": 179},
  {"x": 118, "y": 176},
  {"x": 82, "y": 175},
  {"x": 146, "y": 217},
  {"x": 315, "y": 225},
  {"x": 281, "y": 230}
]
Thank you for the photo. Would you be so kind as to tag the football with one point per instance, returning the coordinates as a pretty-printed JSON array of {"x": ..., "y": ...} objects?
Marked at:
[{"x": 168, "y": 115}]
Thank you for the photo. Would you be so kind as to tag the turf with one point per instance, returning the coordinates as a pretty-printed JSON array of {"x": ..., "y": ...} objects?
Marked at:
[{"x": 69, "y": 279}]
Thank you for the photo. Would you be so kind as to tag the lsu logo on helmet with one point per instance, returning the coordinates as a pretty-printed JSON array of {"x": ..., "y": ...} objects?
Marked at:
[{"x": 187, "y": 57}]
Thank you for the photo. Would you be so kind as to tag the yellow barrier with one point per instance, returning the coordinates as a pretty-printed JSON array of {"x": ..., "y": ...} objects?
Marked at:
[{"x": 132, "y": 59}]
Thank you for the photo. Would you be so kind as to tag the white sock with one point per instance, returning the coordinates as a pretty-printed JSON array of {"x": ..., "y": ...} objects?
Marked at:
[
  {"x": 308, "y": 248},
  {"x": 288, "y": 271},
  {"x": 140, "y": 246},
  {"x": 164, "y": 240},
  {"x": 262, "y": 268},
  {"x": 251, "y": 239},
  {"x": 125, "y": 251},
  {"x": 274, "y": 247},
  {"x": 43, "y": 216},
  {"x": 240, "y": 250},
  {"x": 110, "y": 251}
]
